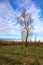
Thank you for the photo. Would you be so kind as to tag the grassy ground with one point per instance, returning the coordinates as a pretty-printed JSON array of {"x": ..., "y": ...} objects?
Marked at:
[{"x": 18, "y": 55}]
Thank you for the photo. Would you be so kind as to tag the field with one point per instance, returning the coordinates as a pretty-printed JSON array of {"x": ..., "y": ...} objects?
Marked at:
[{"x": 21, "y": 55}]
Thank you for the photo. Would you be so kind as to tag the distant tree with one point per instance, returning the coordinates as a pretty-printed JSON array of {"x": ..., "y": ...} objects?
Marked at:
[{"x": 25, "y": 20}]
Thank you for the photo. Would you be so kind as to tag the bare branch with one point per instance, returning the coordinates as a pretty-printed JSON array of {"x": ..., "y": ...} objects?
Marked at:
[{"x": 25, "y": 21}]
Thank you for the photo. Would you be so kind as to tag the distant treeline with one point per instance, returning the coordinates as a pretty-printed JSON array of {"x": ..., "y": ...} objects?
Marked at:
[{"x": 3, "y": 43}]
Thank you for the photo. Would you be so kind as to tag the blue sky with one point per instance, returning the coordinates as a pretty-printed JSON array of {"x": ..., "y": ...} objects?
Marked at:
[{"x": 9, "y": 9}]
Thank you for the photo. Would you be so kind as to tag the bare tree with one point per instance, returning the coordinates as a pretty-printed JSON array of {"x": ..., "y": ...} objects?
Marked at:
[{"x": 25, "y": 21}]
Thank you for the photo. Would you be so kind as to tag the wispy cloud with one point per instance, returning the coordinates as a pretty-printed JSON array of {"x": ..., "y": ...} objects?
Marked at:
[
  {"x": 7, "y": 16},
  {"x": 7, "y": 21}
]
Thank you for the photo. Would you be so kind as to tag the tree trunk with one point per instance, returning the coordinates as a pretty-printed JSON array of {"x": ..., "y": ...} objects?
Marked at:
[{"x": 26, "y": 43}]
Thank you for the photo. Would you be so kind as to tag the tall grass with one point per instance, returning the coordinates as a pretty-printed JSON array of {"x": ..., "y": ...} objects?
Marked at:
[{"x": 15, "y": 55}]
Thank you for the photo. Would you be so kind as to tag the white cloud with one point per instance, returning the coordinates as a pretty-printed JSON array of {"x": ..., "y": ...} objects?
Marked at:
[
  {"x": 38, "y": 27},
  {"x": 7, "y": 21},
  {"x": 7, "y": 16}
]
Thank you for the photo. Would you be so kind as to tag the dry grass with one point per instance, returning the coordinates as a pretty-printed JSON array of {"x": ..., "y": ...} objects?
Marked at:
[{"x": 21, "y": 55}]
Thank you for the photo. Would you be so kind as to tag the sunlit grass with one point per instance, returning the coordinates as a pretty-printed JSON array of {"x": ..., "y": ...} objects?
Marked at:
[{"x": 20, "y": 55}]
